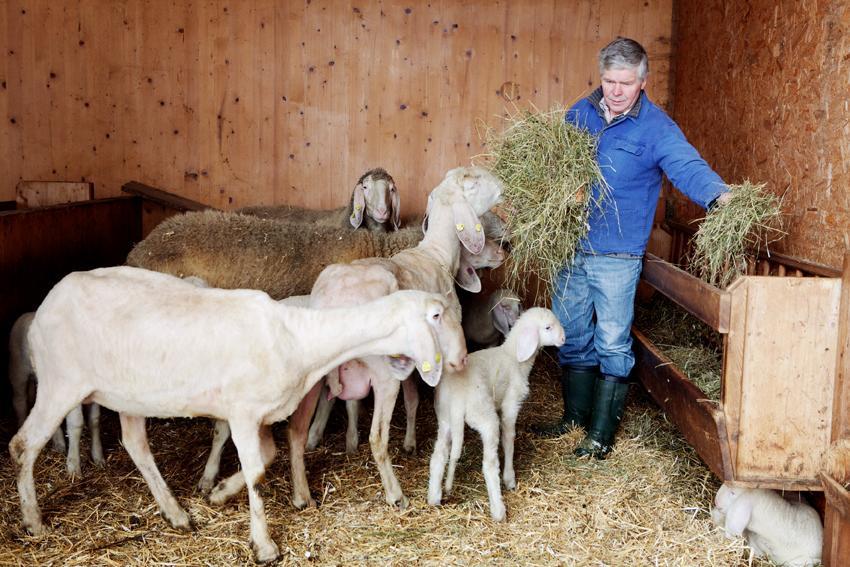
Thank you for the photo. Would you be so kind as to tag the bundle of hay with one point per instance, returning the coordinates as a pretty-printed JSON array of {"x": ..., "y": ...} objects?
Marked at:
[
  {"x": 731, "y": 233},
  {"x": 547, "y": 167},
  {"x": 694, "y": 347}
]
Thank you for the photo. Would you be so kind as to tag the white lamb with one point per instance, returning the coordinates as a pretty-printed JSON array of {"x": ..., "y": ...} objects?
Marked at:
[
  {"x": 23, "y": 381},
  {"x": 788, "y": 533},
  {"x": 148, "y": 344},
  {"x": 493, "y": 385}
]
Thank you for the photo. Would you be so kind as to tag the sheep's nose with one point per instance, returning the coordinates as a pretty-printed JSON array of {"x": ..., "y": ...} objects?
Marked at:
[{"x": 457, "y": 367}]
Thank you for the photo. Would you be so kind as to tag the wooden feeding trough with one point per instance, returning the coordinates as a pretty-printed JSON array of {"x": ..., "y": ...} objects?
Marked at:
[{"x": 781, "y": 378}]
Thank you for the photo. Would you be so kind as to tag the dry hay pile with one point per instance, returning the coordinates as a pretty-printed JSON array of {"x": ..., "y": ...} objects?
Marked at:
[
  {"x": 647, "y": 504},
  {"x": 547, "y": 167},
  {"x": 733, "y": 233},
  {"x": 694, "y": 347}
]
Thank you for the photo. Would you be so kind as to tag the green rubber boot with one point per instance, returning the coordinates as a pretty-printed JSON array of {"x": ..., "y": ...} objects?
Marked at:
[
  {"x": 577, "y": 387},
  {"x": 608, "y": 407}
]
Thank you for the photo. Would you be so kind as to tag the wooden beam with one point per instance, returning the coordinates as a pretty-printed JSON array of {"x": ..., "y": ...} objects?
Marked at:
[
  {"x": 705, "y": 302},
  {"x": 161, "y": 197},
  {"x": 836, "y": 533}
]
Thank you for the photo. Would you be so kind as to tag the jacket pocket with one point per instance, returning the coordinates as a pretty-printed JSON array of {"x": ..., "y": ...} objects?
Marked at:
[{"x": 632, "y": 147}]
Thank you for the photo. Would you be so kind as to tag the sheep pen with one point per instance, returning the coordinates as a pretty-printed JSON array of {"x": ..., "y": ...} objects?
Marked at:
[{"x": 648, "y": 503}]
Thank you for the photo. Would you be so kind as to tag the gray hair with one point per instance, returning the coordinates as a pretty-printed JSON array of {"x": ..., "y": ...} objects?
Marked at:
[{"x": 624, "y": 53}]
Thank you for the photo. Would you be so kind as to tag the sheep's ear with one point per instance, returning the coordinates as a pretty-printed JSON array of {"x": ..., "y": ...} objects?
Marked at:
[
  {"x": 503, "y": 318},
  {"x": 738, "y": 516},
  {"x": 395, "y": 203},
  {"x": 429, "y": 361},
  {"x": 358, "y": 206},
  {"x": 468, "y": 228},
  {"x": 526, "y": 344},
  {"x": 466, "y": 277}
]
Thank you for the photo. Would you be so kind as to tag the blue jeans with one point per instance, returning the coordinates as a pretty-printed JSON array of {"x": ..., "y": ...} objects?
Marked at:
[{"x": 594, "y": 300}]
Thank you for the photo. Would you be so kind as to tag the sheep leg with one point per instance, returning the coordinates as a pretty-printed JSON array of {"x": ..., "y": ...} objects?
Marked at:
[
  {"x": 489, "y": 431},
  {"x": 299, "y": 422},
  {"x": 456, "y": 429},
  {"x": 438, "y": 464},
  {"x": 320, "y": 420},
  {"x": 231, "y": 486},
  {"x": 46, "y": 417},
  {"x": 94, "y": 434},
  {"x": 352, "y": 435},
  {"x": 57, "y": 440},
  {"x": 221, "y": 433},
  {"x": 508, "y": 436},
  {"x": 135, "y": 440},
  {"x": 385, "y": 390},
  {"x": 19, "y": 395},
  {"x": 247, "y": 438},
  {"x": 411, "y": 404},
  {"x": 74, "y": 426}
]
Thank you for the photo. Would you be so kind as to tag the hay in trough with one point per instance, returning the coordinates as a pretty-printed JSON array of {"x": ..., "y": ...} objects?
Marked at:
[
  {"x": 694, "y": 347},
  {"x": 647, "y": 504},
  {"x": 548, "y": 168},
  {"x": 730, "y": 234}
]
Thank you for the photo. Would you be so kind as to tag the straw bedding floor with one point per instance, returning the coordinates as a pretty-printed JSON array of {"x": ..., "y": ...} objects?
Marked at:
[{"x": 646, "y": 505}]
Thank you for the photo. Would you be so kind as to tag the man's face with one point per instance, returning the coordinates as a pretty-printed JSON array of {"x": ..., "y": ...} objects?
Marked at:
[{"x": 620, "y": 89}]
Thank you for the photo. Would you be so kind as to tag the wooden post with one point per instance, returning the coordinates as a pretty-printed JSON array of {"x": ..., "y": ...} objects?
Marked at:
[{"x": 836, "y": 532}]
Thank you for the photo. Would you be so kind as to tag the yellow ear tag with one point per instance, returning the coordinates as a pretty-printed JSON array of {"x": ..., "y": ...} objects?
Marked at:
[
  {"x": 353, "y": 215},
  {"x": 459, "y": 226},
  {"x": 426, "y": 366},
  {"x": 438, "y": 358},
  {"x": 478, "y": 227},
  {"x": 357, "y": 207}
]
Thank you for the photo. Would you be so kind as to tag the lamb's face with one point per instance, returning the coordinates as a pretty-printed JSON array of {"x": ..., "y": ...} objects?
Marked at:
[
  {"x": 725, "y": 496},
  {"x": 550, "y": 329},
  {"x": 481, "y": 189},
  {"x": 379, "y": 193}
]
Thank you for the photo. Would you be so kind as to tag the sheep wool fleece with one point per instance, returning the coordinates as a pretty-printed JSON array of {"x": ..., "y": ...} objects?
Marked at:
[{"x": 633, "y": 151}]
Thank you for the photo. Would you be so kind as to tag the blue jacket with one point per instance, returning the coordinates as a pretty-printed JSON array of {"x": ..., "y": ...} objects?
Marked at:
[{"x": 633, "y": 151}]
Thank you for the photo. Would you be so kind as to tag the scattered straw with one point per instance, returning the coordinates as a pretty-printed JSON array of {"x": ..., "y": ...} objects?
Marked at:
[
  {"x": 694, "y": 347},
  {"x": 731, "y": 233},
  {"x": 548, "y": 168},
  {"x": 647, "y": 504}
]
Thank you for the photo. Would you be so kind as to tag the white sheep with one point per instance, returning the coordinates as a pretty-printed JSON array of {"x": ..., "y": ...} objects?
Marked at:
[
  {"x": 23, "y": 381},
  {"x": 491, "y": 256},
  {"x": 492, "y": 386},
  {"x": 788, "y": 533},
  {"x": 374, "y": 194},
  {"x": 148, "y": 344},
  {"x": 487, "y": 318}
]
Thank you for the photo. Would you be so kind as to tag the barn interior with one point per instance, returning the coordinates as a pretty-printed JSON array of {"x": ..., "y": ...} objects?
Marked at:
[{"x": 117, "y": 115}]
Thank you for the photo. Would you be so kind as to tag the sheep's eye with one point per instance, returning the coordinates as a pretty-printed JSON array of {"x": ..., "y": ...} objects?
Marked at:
[
  {"x": 548, "y": 327},
  {"x": 365, "y": 187},
  {"x": 436, "y": 316},
  {"x": 392, "y": 188}
]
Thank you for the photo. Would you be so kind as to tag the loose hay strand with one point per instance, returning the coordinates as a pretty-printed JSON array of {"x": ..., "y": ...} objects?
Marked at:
[
  {"x": 731, "y": 233},
  {"x": 551, "y": 183}
]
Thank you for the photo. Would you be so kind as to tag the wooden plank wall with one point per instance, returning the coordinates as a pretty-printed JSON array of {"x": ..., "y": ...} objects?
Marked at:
[
  {"x": 237, "y": 103},
  {"x": 40, "y": 246},
  {"x": 761, "y": 90}
]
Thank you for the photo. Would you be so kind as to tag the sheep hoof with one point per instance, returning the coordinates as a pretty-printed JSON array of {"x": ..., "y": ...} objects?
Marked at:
[
  {"x": 35, "y": 528},
  {"x": 265, "y": 553},
  {"x": 402, "y": 503},
  {"x": 434, "y": 500},
  {"x": 410, "y": 448},
  {"x": 180, "y": 521},
  {"x": 74, "y": 471},
  {"x": 351, "y": 448},
  {"x": 510, "y": 483},
  {"x": 205, "y": 486},
  {"x": 498, "y": 514},
  {"x": 303, "y": 504}
]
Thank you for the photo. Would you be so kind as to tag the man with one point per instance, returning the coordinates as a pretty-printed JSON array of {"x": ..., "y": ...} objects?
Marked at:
[{"x": 594, "y": 297}]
